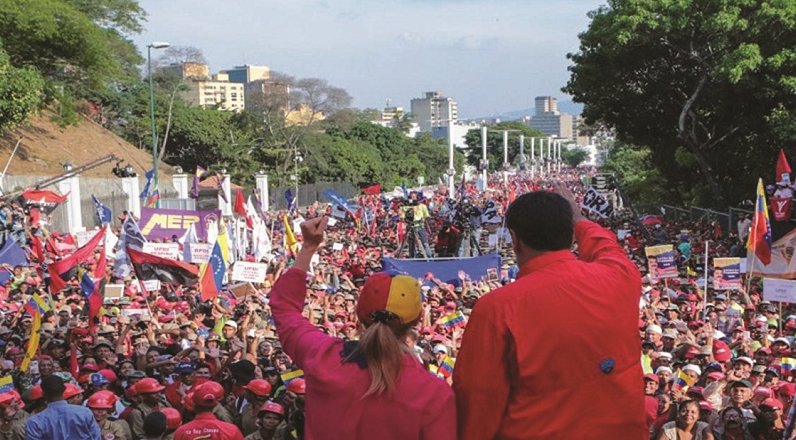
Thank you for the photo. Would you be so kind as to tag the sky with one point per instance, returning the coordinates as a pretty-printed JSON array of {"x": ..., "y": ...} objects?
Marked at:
[{"x": 491, "y": 56}]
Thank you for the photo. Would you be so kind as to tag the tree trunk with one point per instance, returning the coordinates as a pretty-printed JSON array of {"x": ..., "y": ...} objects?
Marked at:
[{"x": 168, "y": 124}]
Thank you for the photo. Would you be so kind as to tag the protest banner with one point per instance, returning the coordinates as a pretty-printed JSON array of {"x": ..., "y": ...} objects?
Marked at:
[
  {"x": 164, "y": 224},
  {"x": 162, "y": 250},
  {"x": 198, "y": 252},
  {"x": 143, "y": 314},
  {"x": 779, "y": 290},
  {"x": 660, "y": 262},
  {"x": 242, "y": 290},
  {"x": 249, "y": 272},
  {"x": 596, "y": 204},
  {"x": 782, "y": 207},
  {"x": 726, "y": 273}
]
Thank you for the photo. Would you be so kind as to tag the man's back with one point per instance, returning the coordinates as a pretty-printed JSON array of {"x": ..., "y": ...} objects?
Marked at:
[
  {"x": 61, "y": 420},
  {"x": 556, "y": 354}
]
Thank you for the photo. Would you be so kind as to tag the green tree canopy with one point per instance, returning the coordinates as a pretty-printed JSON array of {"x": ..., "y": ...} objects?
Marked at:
[{"x": 712, "y": 79}]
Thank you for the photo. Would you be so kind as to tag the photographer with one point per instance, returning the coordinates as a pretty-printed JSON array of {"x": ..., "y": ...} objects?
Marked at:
[
  {"x": 468, "y": 220},
  {"x": 415, "y": 214}
]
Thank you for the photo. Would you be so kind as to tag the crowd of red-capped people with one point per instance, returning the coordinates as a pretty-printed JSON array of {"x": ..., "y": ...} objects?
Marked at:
[{"x": 185, "y": 366}]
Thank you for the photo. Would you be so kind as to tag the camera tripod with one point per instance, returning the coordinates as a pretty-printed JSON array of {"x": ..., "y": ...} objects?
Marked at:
[{"x": 412, "y": 241}]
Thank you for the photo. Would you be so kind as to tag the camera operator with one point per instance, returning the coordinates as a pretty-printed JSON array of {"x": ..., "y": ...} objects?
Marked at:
[
  {"x": 415, "y": 215},
  {"x": 468, "y": 220}
]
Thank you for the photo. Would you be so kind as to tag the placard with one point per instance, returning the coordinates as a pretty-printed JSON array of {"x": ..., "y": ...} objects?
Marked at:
[
  {"x": 152, "y": 285},
  {"x": 660, "y": 262},
  {"x": 241, "y": 290},
  {"x": 596, "y": 204},
  {"x": 621, "y": 234},
  {"x": 337, "y": 247},
  {"x": 83, "y": 237},
  {"x": 249, "y": 272},
  {"x": 775, "y": 289},
  {"x": 331, "y": 221},
  {"x": 114, "y": 290},
  {"x": 198, "y": 252},
  {"x": 726, "y": 273},
  {"x": 142, "y": 313},
  {"x": 162, "y": 250}
]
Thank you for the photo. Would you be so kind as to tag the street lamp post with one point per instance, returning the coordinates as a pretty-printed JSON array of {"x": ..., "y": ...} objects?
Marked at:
[
  {"x": 154, "y": 45},
  {"x": 484, "y": 163}
]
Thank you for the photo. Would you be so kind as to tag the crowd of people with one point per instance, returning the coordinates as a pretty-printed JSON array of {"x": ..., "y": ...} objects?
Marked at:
[{"x": 166, "y": 364}]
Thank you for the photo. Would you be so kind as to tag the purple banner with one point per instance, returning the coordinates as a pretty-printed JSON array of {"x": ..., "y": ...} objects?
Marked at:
[{"x": 164, "y": 224}]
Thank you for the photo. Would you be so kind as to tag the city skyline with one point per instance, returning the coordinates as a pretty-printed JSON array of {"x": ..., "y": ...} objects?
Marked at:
[{"x": 492, "y": 57}]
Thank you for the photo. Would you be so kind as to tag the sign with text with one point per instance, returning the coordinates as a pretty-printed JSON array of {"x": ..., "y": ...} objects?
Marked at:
[
  {"x": 660, "y": 262},
  {"x": 83, "y": 237},
  {"x": 162, "y": 250},
  {"x": 726, "y": 273},
  {"x": 197, "y": 252},
  {"x": 596, "y": 204},
  {"x": 249, "y": 272},
  {"x": 779, "y": 290},
  {"x": 114, "y": 290},
  {"x": 164, "y": 224},
  {"x": 152, "y": 285}
]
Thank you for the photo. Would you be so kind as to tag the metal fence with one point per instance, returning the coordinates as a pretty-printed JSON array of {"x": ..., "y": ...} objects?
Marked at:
[
  {"x": 728, "y": 219},
  {"x": 310, "y": 193}
]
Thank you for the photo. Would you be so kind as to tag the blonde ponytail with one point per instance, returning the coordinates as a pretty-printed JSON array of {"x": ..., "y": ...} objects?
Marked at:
[{"x": 383, "y": 350}]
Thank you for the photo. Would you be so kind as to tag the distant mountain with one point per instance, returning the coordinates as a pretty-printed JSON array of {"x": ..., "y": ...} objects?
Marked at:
[{"x": 563, "y": 106}]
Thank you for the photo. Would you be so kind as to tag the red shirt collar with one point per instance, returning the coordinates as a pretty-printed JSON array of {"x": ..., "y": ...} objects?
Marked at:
[
  {"x": 207, "y": 415},
  {"x": 544, "y": 260}
]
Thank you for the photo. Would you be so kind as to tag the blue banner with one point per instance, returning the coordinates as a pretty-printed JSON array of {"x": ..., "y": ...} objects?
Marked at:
[
  {"x": 446, "y": 270},
  {"x": 13, "y": 255}
]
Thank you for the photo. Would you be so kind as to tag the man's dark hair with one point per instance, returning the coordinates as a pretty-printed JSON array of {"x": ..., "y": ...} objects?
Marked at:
[
  {"x": 53, "y": 388},
  {"x": 542, "y": 220},
  {"x": 154, "y": 424}
]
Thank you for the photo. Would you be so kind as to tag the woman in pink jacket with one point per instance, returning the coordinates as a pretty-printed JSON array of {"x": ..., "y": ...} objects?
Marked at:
[{"x": 366, "y": 389}]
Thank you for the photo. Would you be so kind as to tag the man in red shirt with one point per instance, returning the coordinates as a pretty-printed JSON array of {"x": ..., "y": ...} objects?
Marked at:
[
  {"x": 205, "y": 425},
  {"x": 556, "y": 353}
]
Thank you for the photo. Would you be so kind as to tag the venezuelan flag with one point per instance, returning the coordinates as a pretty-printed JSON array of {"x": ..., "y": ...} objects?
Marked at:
[
  {"x": 787, "y": 364},
  {"x": 37, "y": 304},
  {"x": 211, "y": 274},
  {"x": 152, "y": 201},
  {"x": 759, "y": 240},
  {"x": 682, "y": 380},
  {"x": 453, "y": 319},
  {"x": 6, "y": 384},
  {"x": 291, "y": 375},
  {"x": 446, "y": 367}
]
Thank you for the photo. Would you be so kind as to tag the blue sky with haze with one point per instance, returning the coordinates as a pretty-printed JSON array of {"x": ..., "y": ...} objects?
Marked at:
[{"x": 491, "y": 56}]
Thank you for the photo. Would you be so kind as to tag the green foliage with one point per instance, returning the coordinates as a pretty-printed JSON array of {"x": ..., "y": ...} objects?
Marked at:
[
  {"x": 710, "y": 78},
  {"x": 78, "y": 46},
  {"x": 494, "y": 143},
  {"x": 574, "y": 156},
  {"x": 20, "y": 93},
  {"x": 641, "y": 182}
]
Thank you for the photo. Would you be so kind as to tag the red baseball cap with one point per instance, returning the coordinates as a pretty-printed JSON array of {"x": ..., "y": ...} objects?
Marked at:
[
  {"x": 652, "y": 377},
  {"x": 721, "y": 351}
]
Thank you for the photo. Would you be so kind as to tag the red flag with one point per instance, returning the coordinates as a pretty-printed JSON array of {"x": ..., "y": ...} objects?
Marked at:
[
  {"x": 80, "y": 255},
  {"x": 96, "y": 299},
  {"x": 783, "y": 168},
  {"x": 372, "y": 190},
  {"x": 62, "y": 270},
  {"x": 44, "y": 199},
  {"x": 240, "y": 204}
]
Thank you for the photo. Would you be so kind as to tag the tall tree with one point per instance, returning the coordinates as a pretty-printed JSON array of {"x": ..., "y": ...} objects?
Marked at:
[{"x": 698, "y": 81}]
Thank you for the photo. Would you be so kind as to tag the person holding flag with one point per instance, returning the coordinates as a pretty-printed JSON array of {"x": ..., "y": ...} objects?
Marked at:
[
  {"x": 370, "y": 388},
  {"x": 759, "y": 242}
]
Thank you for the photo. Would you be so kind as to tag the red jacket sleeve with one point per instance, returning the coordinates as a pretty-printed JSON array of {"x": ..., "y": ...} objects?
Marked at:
[
  {"x": 299, "y": 338},
  {"x": 441, "y": 425},
  {"x": 599, "y": 246},
  {"x": 481, "y": 379}
]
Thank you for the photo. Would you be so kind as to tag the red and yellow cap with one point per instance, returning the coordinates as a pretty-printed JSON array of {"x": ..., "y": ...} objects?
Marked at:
[{"x": 391, "y": 298}]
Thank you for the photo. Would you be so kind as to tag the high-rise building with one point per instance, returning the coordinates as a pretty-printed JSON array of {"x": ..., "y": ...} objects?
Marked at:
[
  {"x": 545, "y": 104},
  {"x": 434, "y": 110},
  {"x": 206, "y": 91},
  {"x": 549, "y": 120},
  {"x": 247, "y": 73}
]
